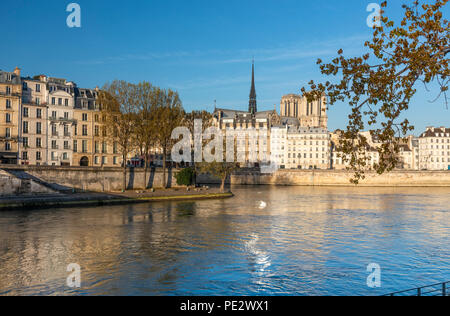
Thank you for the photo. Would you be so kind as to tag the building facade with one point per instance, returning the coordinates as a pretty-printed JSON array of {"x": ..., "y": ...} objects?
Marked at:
[
  {"x": 10, "y": 116},
  {"x": 296, "y": 147},
  {"x": 61, "y": 123},
  {"x": 434, "y": 149},
  {"x": 34, "y": 121}
]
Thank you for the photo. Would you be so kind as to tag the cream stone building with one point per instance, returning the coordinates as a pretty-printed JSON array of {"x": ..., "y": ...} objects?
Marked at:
[
  {"x": 10, "y": 116},
  {"x": 339, "y": 160},
  {"x": 310, "y": 114},
  {"x": 434, "y": 149},
  {"x": 61, "y": 123},
  {"x": 91, "y": 144},
  {"x": 34, "y": 121},
  {"x": 296, "y": 147}
]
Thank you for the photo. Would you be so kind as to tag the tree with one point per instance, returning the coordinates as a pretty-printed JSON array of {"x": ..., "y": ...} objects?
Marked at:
[
  {"x": 168, "y": 115},
  {"x": 220, "y": 170},
  {"x": 146, "y": 123},
  {"x": 118, "y": 104},
  {"x": 189, "y": 122},
  {"x": 380, "y": 84}
]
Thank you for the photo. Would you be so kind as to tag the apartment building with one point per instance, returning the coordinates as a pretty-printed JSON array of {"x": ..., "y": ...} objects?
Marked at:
[
  {"x": 61, "y": 124},
  {"x": 34, "y": 121},
  {"x": 297, "y": 147},
  {"x": 434, "y": 149},
  {"x": 10, "y": 116}
]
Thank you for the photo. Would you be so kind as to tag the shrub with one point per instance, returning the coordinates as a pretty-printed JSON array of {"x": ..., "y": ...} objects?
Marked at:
[{"x": 185, "y": 177}]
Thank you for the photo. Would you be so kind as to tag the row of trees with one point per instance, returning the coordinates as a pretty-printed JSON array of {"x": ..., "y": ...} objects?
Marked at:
[{"x": 141, "y": 117}]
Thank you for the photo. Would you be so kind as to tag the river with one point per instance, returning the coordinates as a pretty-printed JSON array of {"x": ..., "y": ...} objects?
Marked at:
[{"x": 264, "y": 241}]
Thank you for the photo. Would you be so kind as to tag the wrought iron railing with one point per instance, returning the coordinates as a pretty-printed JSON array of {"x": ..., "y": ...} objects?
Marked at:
[{"x": 439, "y": 289}]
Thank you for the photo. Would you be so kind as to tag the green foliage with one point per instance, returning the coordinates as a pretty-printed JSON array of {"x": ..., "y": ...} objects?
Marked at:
[{"x": 185, "y": 177}]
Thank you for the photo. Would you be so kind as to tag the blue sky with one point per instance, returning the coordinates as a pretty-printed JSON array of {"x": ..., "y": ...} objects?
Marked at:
[{"x": 201, "y": 48}]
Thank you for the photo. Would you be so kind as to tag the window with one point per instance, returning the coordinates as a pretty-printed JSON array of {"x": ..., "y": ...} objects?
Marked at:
[
  {"x": 66, "y": 115},
  {"x": 104, "y": 148},
  {"x": 96, "y": 131},
  {"x": 38, "y": 88},
  {"x": 59, "y": 101},
  {"x": 96, "y": 117},
  {"x": 65, "y": 156},
  {"x": 66, "y": 145},
  {"x": 96, "y": 147},
  {"x": 8, "y": 90},
  {"x": 85, "y": 117},
  {"x": 66, "y": 102},
  {"x": 75, "y": 146},
  {"x": 24, "y": 155},
  {"x": 8, "y": 103},
  {"x": 96, "y": 161},
  {"x": 54, "y": 145},
  {"x": 38, "y": 155},
  {"x": 25, "y": 142},
  {"x": 25, "y": 127},
  {"x": 85, "y": 130},
  {"x": 104, "y": 160},
  {"x": 7, "y": 146},
  {"x": 84, "y": 146},
  {"x": 25, "y": 112},
  {"x": 38, "y": 142},
  {"x": 115, "y": 148},
  {"x": 53, "y": 114},
  {"x": 53, "y": 101},
  {"x": 54, "y": 133},
  {"x": 38, "y": 113},
  {"x": 38, "y": 128},
  {"x": 66, "y": 131}
]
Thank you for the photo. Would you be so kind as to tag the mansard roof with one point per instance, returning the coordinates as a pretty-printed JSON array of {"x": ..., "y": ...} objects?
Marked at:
[
  {"x": 436, "y": 132},
  {"x": 14, "y": 78}
]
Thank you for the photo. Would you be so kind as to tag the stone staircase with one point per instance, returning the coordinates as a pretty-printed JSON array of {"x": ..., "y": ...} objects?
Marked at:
[{"x": 27, "y": 182}]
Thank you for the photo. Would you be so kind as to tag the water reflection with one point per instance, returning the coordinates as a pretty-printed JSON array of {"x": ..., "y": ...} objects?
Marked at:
[{"x": 304, "y": 241}]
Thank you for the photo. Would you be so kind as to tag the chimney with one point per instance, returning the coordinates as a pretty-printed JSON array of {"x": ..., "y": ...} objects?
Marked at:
[{"x": 17, "y": 72}]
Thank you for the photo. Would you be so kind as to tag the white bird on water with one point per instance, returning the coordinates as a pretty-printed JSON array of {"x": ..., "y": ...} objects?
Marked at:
[{"x": 262, "y": 205}]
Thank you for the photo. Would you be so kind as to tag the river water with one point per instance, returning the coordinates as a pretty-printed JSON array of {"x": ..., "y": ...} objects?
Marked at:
[{"x": 264, "y": 241}]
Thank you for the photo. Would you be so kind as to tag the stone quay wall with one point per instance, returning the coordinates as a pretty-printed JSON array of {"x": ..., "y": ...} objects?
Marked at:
[
  {"x": 342, "y": 178},
  {"x": 94, "y": 179}
]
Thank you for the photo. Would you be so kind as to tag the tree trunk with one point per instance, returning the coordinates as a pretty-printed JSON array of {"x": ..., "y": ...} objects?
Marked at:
[
  {"x": 164, "y": 169},
  {"x": 124, "y": 188},
  {"x": 222, "y": 186},
  {"x": 145, "y": 169}
]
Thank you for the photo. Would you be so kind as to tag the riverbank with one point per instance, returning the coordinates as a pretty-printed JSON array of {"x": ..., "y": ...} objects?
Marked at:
[{"x": 89, "y": 199}]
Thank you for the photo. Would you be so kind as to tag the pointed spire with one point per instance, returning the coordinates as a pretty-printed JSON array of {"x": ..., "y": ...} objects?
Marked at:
[{"x": 252, "y": 106}]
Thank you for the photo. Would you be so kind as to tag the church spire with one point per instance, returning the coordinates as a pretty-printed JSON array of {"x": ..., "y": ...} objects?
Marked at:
[{"x": 252, "y": 108}]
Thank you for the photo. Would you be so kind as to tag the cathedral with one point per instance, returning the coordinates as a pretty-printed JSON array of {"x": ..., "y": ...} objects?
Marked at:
[{"x": 294, "y": 110}]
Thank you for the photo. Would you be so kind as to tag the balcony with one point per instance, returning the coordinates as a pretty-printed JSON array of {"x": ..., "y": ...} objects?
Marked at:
[
  {"x": 67, "y": 135},
  {"x": 55, "y": 134},
  {"x": 9, "y": 138},
  {"x": 14, "y": 94},
  {"x": 62, "y": 120}
]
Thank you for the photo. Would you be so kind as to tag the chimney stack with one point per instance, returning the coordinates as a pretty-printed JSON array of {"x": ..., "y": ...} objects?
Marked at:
[{"x": 17, "y": 72}]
